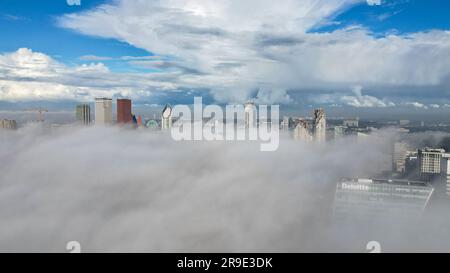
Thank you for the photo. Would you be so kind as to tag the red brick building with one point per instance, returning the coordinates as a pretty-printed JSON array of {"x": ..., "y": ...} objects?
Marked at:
[{"x": 124, "y": 111}]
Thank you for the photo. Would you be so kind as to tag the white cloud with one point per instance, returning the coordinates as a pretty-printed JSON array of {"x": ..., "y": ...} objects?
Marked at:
[
  {"x": 416, "y": 105},
  {"x": 236, "y": 47},
  {"x": 28, "y": 75},
  {"x": 245, "y": 45},
  {"x": 374, "y": 2},
  {"x": 357, "y": 99},
  {"x": 360, "y": 100},
  {"x": 435, "y": 106}
]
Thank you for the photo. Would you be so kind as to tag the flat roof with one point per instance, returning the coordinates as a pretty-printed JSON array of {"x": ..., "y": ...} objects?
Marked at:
[{"x": 385, "y": 181}]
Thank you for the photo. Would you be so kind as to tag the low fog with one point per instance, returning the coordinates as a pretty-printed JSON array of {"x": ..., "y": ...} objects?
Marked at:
[{"x": 117, "y": 190}]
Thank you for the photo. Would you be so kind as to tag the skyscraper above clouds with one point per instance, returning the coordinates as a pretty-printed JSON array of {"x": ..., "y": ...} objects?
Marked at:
[
  {"x": 83, "y": 114},
  {"x": 166, "y": 118},
  {"x": 103, "y": 111},
  {"x": 319, "y": 125},
  {"x": 124, "y": 111}
]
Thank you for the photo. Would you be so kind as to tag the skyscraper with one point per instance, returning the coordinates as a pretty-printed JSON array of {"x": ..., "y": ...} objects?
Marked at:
[
  {"x": 381, "y": 200},
  {"x": 430, "y": 161},
  {"x": 103, "y": 111},
  {"x": 339, "y": 131},
  {"x": 319, "y": 125},
  {"x": 399, "y": 157},
  {"x": 286, "y": 124},
  {"x": 140, "y": 121},
  {"x": 166, "y": 118},
  {"x": 351, "y": 122},
  {"x": 301, "y": 131},
  {"x": 8, "y": 124},
  {"x": 83, "y": 114},
  {"x": 124, "y": 111},
  {"x": 446, "y": 171},
  {"x": 250, "y": 115}
]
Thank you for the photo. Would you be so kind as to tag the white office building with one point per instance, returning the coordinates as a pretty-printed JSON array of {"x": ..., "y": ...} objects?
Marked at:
[
  {"x": 430, "y": 161},
  {"x": 301, "y": 131},
  {"x": 103, "y": 111},
  {"x": 166, "y": 118}
]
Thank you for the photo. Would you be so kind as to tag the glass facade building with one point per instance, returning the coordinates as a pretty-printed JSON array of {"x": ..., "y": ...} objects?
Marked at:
[{"x": 380, "y": 200}]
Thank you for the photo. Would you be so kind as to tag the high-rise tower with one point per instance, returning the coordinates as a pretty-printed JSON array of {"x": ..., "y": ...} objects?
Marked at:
[
  {"x": 166, "y": 118},
  {"x": 103, "y": 111},
  {"x": 124, "y": 111},
  {"x": 319, "y": 125},
  {"x": 83, "y": 114}
]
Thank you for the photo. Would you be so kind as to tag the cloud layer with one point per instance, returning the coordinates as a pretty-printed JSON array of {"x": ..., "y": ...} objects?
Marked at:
[
  {"x": 27, "y": 75},
  {"x": 119, "y": 190},
  {"x": 237, "y": 45},
  {"x": 240, "y": 50}
]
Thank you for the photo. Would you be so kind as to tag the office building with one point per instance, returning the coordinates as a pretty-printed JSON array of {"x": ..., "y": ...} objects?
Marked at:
[
  {"x": 404, "y": 122},
  {"x": 339, "y": 131},
  {"x": 445, "y": 172},
  {"x": 301, "y": 131},
  {"x": 124, "y": 114},
  {"x": 103, "y": 111},
  {"x": 399, "y": 157},
  {"x": 412, "y": 166},
  {"x": 319, "y": 125},
  {"x": 430, "y": 161},
  {"x": 8, "y": 124},
  {"x": 351, "y": 122},
  {"x": 381, "y": 200},
  {"x": 166, "y": 118},
  {"x": 83, "y": 114}
]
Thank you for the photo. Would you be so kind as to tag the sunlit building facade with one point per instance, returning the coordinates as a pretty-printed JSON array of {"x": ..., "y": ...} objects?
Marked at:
[
  {"x": 399, "y": 157},
  {"x": 301, "y": 131},
  {"x": 166, "y": 118},
  {"x": 103, "y": 111}
]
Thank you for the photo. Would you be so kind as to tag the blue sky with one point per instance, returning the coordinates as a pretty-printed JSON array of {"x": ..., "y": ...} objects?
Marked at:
[
  {"x": 32, "y": 24},
  {"x": 185, "y": 55},
  {"x": 399, "y": 16}
]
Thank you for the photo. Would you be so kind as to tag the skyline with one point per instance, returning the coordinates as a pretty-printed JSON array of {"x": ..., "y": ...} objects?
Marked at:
[{"x": 306, "y": 54}]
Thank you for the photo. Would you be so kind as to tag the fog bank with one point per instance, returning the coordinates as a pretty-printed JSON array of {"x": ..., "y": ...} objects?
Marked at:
[{"x": 119, "y": 190}]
